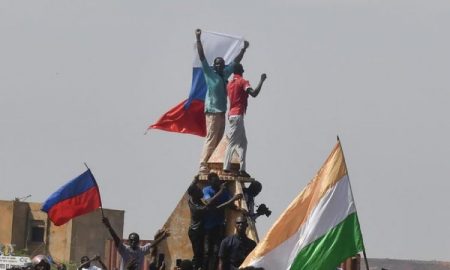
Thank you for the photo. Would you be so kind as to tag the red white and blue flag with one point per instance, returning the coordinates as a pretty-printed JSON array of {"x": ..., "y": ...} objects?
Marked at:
[
  {"x": 188, "y": 116},
  {"x": 78, "y": 197}
]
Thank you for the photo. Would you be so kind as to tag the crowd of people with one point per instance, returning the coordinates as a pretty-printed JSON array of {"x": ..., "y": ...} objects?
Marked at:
[
  {"x": 211, "y": 249},
  {"x": 208, "y": 223}
]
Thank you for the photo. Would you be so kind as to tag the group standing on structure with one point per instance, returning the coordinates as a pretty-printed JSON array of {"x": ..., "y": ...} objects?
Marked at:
[
  {"x": 218, "y": 89},
  {"x": 211, "y": 249},
  {"x": 207, "y": 229}
]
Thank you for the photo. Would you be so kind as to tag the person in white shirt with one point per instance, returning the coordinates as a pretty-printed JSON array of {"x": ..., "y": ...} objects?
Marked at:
[
  {"x": 133, "y": 254},
  {"x": 86, "y": 263}
]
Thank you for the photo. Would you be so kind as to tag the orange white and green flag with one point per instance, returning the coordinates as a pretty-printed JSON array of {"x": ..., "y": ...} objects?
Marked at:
[{"x": 319, "y": 229}]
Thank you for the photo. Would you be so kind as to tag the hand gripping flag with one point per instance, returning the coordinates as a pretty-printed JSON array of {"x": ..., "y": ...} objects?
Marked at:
[
  {"x": 319, "y": 229},
  {"x": 77, "y": 197},
  {"x": 188, "y": 116}
]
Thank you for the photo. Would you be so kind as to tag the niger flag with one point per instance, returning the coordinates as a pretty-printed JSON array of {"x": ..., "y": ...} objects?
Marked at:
[{"x": 319, "y": 229}]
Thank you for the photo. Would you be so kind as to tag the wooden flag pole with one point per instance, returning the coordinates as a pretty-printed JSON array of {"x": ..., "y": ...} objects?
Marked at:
[
  {"x": 101, "y": 206},
  {"x": 343, "y": 156}
]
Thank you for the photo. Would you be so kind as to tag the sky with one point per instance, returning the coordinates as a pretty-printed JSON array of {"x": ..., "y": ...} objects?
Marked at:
[{"x": 80, "y": 81}]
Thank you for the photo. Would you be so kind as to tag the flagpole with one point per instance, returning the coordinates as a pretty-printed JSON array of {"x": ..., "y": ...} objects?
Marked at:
[
  {"x": 101, "y": 206},
  {"x": 351, "y": 191}
]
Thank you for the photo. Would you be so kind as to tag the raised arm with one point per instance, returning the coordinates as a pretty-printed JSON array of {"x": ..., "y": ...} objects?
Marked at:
[
  {"x": 159, "y": 236},
  {"x": 201, "y": 53},
  {"x": 255, "y": 92},
  {"x": 239, "y": 57},
  {"x": 116, "y": 238}
]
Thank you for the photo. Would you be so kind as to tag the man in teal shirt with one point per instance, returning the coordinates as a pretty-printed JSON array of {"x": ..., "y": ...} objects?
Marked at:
[{"x": 215, "y": 99}]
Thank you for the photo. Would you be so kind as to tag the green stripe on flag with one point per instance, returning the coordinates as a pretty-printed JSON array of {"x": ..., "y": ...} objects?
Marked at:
[{"x": 327, "y": 252}]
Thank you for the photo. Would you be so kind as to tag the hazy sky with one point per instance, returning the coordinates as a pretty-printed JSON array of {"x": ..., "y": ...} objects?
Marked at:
[{"x": 80, "y": 81}]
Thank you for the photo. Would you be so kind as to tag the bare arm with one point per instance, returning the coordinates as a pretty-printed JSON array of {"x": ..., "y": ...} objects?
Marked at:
[
  {"x": 160, "y": 235},
  {"x": 201, "y": 53},
  {"x": 230, "y": 202},
  {"x": 239, "y": 57},
  {"x": 116, "y": 238},
  {"x": 255, "y": 92},
  {"x": 220, "y": 264}
]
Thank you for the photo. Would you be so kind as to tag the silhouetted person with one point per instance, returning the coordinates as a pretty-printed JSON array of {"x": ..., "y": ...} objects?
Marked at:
[
  {"x": 238, "y": 91},
  {"x": 133, "y": 254},
  {"x": 235, "y": 248},
  {"x": 215, "y": 99},
  {"x": 250, "y": 193}
]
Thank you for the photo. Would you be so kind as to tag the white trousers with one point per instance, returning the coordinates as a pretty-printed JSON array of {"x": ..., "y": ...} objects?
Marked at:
[{"x": 237, "y": 142}]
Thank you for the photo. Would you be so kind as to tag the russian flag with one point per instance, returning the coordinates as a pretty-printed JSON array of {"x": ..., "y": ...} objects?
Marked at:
[
  {"x": 79, "y": 196},
  {"x": 188, "y": 116}
]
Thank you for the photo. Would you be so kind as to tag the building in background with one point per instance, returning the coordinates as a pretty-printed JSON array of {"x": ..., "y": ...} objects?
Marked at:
[{"x": 25, "y": 227}]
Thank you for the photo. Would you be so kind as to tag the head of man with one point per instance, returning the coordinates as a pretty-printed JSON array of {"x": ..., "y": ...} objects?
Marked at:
[
  {"x": 83, "y": 261},
  {"x": 254, "y": 189},
  {"x": 238, "y": 69},
  {"x": 133, "y": 240},
  {"x": 241, "y": 225},
  {"x": 195, "y": 192},
  {"x": 40, "y": 262},
  {"x": 219, "y": 65},
  {"x": 214, "y": 181}
]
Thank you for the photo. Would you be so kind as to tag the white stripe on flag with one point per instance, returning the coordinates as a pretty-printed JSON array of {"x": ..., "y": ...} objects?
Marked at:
[
  {"x": 336, "y": 204},
  {"x": 218, "y": 45}
]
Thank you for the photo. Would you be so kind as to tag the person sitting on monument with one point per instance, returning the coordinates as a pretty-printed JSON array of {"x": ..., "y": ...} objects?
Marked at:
[
  {"x": 86, "y": 263},
  {"x": 133, "y": 253},
  {"x": 235, "y": 248},
  {"x": 214, "y": 219},
  {"x": 215, "y": 99},
  {"x": 238, "y": 91}
]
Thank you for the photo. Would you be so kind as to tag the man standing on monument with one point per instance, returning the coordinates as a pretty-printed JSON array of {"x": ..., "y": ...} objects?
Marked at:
[
  {"x": 215, "y": 99},
  {"x": 235, "y": 248},
  {"x": 238, "y": 91}
]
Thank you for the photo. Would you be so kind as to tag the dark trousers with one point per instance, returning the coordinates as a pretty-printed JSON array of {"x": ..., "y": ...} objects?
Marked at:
[
  {"x": 213, "y": 238},
  {"x": 197, "y": 241}
]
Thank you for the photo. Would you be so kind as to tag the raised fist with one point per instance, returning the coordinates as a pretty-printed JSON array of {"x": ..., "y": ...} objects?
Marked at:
[
  {"x": 246, "y": 44},
  {"x": 198, "y": 33}
]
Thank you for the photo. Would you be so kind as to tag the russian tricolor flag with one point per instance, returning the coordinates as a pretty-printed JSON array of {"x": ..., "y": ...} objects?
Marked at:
[
  {"x": 188, "y": 116},
  {"x": 79, "y": 196}
]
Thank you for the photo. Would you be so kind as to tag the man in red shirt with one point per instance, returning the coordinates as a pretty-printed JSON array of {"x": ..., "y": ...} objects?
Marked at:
[{"x": 238, "y": 91}]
